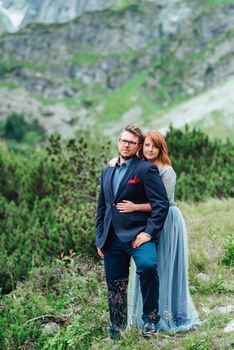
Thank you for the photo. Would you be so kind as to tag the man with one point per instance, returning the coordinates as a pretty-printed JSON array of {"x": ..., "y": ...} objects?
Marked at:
[{"x": 122, "y": 235}]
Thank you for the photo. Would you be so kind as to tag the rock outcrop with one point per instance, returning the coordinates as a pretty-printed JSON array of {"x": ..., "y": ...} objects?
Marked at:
[{"x": 22, "y": 12}]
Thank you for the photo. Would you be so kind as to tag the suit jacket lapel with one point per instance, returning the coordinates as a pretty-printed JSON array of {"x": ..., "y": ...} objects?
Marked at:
[{"x": 126, "y": 177}]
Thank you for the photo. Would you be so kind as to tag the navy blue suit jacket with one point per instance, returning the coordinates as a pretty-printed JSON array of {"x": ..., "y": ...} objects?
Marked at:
[{"x": 148, "y": 188}]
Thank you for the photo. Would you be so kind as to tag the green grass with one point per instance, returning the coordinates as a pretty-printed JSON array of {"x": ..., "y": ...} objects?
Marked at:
[
  {"x": 76, "y": 287},
  {"x": 9, "y": 85},
  {"x": 87, "y": 58},
  {"x": 216, "y": 3},
  {"x": 119, "y": 101},
  {"x": 124, "y": 5},
  {"x": 10, "y": 65},
  {"x": 121, "y": 4},
  {"x": 209, "y": 226}
]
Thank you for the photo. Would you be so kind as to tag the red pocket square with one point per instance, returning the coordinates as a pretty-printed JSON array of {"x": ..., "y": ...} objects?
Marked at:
[{"x": 133, "y": 181}]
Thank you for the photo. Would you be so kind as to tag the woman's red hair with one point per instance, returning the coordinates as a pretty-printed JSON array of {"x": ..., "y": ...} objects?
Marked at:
[{"x": 159, "y": 141}]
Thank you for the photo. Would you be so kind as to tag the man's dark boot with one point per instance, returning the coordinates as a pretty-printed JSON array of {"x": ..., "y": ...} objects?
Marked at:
[
  {"x": 115, "y": 332},
  {"x": 149, "y": 329}
]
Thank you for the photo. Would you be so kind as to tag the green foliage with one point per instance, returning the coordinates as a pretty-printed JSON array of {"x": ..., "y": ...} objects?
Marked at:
[
  {"x": 47, "y": 205},
  {"x": 9, "y": 85},
  {"x": 85, "y": 58},
  {"x": 228, "y": 258},
  {"x": 74, "y": 290},
  {"x": 21, "y": 135},
  {"x": 217, "y": 284},
  {"x": 209, "y": 225},
  {"x": 9, "y": 66},
  {"x": 169, "y": 73},
  {"x": 15, "y": 311},
  {"x": 118, "y": 101},
  {"x": 195, "y": 343},
  {"x": 123, "y": 5},
  {"x": 11, "y": 169},
  {"x": 204, "y": 167},
  {"x": 16, "y": 128}
]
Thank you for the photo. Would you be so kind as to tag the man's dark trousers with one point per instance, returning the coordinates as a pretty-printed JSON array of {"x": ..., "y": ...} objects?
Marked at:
[{"x": 117, "y": 256}]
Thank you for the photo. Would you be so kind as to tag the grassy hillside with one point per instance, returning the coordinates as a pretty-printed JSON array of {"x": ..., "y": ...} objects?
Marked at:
[
  {"x": 52, "y": 284},
  {"x": 73, "y": 289}
]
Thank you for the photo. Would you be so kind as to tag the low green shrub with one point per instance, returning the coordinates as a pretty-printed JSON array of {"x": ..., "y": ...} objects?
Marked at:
[
  {"x": 73, "y": 290},
  {"x": 228, "y": 258},
  {"x": 203, "y": 167},
  {"x": 47, "y": 205}
]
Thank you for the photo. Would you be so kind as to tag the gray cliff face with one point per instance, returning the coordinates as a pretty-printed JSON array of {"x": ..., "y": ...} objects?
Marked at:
[
  {"x": 49, "y": 11},
  {"x": 112, "y": 36},
  {"x": 21, "y": 12},
  {"x": 104, "y": 32}
]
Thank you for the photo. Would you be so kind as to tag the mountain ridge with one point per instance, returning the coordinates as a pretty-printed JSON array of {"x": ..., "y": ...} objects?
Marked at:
[{"x": 103, "y": 65}]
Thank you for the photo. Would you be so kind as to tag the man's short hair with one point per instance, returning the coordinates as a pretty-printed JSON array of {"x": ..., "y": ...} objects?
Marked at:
[{"x": 135, "y": 131}]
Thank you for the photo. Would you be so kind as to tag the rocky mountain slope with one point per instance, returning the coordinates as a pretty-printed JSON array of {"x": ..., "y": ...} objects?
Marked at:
[
  {"x": 22, "y": 12},
  {"x": 133, "y": 62}
]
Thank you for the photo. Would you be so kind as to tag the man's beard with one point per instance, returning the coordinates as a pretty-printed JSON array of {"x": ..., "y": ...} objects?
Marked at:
[{"x": 127, "y": 157}]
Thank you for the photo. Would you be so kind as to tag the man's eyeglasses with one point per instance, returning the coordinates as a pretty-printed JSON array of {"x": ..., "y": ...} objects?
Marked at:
[{"x": 129, "y": 143}]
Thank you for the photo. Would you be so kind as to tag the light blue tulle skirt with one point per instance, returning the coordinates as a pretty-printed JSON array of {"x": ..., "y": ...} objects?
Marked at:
[{"x": 176, "y": 310}]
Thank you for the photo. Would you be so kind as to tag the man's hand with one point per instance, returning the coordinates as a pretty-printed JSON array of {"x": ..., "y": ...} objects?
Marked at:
[
  {"x": 140, "y": 239},
  {"x": 100, "y": 253}
]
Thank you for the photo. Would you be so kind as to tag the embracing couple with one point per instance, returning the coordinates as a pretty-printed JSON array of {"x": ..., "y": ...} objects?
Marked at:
[{"x": 137, "y": 217}]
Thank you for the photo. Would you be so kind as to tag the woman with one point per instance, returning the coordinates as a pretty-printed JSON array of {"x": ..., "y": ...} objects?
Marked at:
[{"x": 176, "y": 310}]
